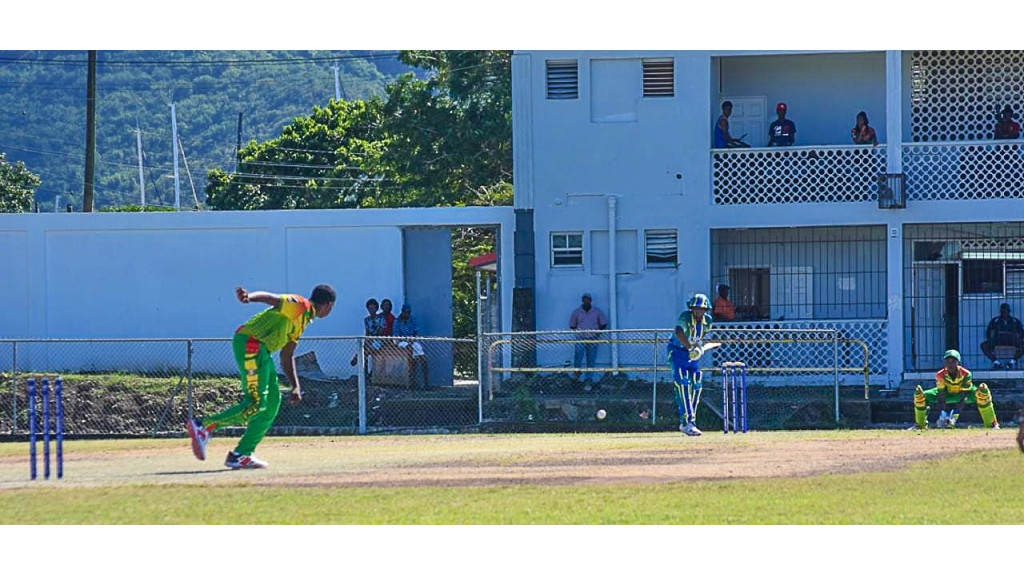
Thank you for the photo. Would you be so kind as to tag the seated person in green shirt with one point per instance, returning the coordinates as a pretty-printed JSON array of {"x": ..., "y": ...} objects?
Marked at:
[{"x": 276, "y": 328}]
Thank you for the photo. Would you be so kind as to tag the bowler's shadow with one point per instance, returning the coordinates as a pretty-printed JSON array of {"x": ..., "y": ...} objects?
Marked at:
[{"x": 190, "y": 472}]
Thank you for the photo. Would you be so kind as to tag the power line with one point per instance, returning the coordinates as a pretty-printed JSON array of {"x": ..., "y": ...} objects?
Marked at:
[{"x": 237, "y": 62}]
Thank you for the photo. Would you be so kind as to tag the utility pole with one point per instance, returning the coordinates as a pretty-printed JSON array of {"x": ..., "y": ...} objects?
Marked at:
[
  {"x": 174, "y": 152},
  {"x": 142, "y": 179},
  {"x": 337, "y": 82},
  {"x": 90, "y": 135},
  {"x": 238, "y": 146},
  {"x": 188, "y": 172}
]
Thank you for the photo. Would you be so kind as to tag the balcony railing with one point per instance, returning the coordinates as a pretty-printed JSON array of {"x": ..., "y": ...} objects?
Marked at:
[
  {"x": 796, "y": 174},
  {"x": 964, "y": 170}
]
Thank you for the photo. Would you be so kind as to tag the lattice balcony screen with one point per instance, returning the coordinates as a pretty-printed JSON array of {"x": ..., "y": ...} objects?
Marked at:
[
  {"x": 797, "y": 175},
  {"x": 956, "y": 94},
  {"x": 950, "y": 171},
  {"x": 874, "y": 333}
]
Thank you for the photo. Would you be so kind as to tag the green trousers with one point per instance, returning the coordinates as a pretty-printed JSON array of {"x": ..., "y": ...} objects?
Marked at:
[
  {"x": 261, "y": 396},
  {"x": 979, "y": 395}
]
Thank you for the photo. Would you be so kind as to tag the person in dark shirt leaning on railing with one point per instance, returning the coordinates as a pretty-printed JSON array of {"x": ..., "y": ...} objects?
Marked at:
[{"x": 782, "y": 132}]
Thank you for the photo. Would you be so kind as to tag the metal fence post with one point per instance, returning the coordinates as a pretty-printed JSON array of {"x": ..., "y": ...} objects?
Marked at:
[
  {"x": 654, "y": 387},
  {"x": 362, "y": 384},
  {"x": 14, "y": 388},
  {"x": 835, "y": 368},
  {"x": 188, "y": 371},
  {"x": 479, "y": 354}
]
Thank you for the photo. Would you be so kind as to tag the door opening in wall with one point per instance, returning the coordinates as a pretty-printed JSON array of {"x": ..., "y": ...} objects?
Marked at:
[{"x": 751, "y": 290}]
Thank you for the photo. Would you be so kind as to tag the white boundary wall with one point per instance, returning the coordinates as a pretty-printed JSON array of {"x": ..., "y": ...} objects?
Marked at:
[{"x": 158, "y": 275}]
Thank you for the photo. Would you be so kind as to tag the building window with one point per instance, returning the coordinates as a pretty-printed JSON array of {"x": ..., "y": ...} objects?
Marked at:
[
  {"x": 563, "y": 79},
  {"x": 566, "y": 249},
  {"x": 983, "y": 277},
  {"x": 661, "y": 248},
  {"x": 659, "y": 78}
]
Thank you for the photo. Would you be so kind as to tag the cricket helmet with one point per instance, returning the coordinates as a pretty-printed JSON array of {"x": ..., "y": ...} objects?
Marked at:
[{"x": 699, "y": 301}]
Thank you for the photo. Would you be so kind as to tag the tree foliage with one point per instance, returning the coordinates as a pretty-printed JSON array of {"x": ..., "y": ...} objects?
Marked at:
[
  {"x": 441, "y": 141},
  {"x": 17, "y": 185},
  {"x": 42, "y": 111}
]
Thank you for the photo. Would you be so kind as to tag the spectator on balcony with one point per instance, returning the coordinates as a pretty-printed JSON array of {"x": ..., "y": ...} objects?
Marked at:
[
  {"x": 722, "y": 137},
  {"x": 782, "y": 132},
  {"x": 1004, "y": 331},
  {"x": 862, "y": 133},
  {"x": 1006, "y": 128},
  {"x": 724, "y": 310},
  {"x": 586, "y": 321}
]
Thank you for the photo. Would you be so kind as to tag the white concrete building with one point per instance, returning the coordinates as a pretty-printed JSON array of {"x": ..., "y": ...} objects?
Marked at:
[{"x": 620, "y": 144}]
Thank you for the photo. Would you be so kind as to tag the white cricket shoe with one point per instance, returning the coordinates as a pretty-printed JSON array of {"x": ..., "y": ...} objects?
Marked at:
[
  {"x": 690, "y": 429},
  {"x": 239, "y": 462},
  {"x": 997, "y": 365},
  {"x": 200, "y": 437}
]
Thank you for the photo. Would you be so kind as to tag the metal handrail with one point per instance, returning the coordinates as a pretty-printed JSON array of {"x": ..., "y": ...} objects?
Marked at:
[
  {"x": 865, "y": 369},
  {"x": 879, "y": 146}
]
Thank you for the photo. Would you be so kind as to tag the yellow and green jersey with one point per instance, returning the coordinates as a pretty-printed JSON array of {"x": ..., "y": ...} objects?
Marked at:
[
  {"x": 282, "y": 324},
  {"x": 956, "y": 382}
]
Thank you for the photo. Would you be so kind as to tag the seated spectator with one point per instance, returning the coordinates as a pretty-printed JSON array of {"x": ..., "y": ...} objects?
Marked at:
[
  {"x": 389, "y": 319},
  {"x": 1004, "y": 330},
  {"x": 406, "y": 326},
  {"x": 722, "y": 137},
  {"x": 373, "y": 325},
  {"x": 782, "y": 132},
  {"x": 862, "y": 133},
  {"x": 724, "y": 310},
  {"x": 1006, "y": 128}
]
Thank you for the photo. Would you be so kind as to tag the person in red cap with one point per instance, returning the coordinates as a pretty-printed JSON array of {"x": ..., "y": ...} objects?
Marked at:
[{"x": 782, "y": 132}]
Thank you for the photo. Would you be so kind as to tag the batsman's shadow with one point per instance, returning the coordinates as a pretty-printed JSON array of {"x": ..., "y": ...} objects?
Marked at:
[{"x": 193, "y": 472}]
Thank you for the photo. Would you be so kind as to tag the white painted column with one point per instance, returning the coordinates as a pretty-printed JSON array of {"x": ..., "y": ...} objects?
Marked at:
[{"x": 894, "y": 242}]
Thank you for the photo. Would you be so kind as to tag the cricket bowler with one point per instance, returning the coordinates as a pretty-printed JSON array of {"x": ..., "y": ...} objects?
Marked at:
[{"x": 276, "y": 328}]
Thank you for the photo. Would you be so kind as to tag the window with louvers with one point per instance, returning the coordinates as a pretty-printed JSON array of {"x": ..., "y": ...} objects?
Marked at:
[
  {"x": 659, "y": 78},
  {"x": 662, "y": 249},
  {"x": 563, "y": 79}
]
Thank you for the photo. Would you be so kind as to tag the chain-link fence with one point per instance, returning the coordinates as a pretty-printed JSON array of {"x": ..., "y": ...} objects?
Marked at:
[
  {"x": 146, "y": 387},
  {"x": 796, "y": 378}
]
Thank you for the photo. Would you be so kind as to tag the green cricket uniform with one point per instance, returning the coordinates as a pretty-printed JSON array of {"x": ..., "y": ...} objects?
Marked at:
[
  {"x": 253, "y": 344},
  {"x": 959, "y": 386}
]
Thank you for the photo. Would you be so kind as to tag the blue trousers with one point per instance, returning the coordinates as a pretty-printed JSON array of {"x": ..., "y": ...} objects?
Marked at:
[
  {"x": 687, "y": 377},
  {"x": 590, "y": 350}
]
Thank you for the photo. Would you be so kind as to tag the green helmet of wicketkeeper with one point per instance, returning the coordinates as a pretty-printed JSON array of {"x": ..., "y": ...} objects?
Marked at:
[{"x": 684, "y": 349}]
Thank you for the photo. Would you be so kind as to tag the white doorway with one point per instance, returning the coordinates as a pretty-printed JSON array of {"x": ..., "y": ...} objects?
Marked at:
[{"x": 749, "y": 116}]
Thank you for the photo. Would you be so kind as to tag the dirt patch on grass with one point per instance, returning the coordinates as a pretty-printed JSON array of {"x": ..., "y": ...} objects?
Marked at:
[{"x": 527, "y": 460}]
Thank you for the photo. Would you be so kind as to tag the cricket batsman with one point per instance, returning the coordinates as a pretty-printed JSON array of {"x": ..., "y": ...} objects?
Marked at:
[
  {"x": 684, "y": 350},
  {"x": 953, "y": 385},
  {"x": 276, "y": 328}
]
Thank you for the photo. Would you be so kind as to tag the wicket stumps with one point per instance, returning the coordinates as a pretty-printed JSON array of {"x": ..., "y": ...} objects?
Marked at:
[
  {"x": 58, "y": 399},
  {"x": 734, "y": 397}
]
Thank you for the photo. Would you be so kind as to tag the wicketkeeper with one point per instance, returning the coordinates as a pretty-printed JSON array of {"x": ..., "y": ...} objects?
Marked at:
[
  {"x": 684, "y": 351},
  {"x": 953, "y": 385}
]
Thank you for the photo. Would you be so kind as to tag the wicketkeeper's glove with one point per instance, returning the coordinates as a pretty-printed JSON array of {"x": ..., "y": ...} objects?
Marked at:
[{"x": 943, "y": 420}]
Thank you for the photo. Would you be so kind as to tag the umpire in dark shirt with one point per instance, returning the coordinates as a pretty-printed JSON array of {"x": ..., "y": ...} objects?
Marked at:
[
  {"x": 1004, "y": 330},
  {"x": 782, "y": 132}
]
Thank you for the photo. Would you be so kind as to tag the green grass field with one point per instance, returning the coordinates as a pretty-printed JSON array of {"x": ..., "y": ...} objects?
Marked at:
[{"x": 871, "y": 477}]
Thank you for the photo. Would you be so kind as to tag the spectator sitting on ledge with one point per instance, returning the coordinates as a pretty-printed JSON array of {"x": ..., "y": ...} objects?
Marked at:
[{"x": 1004, "y": 330}]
